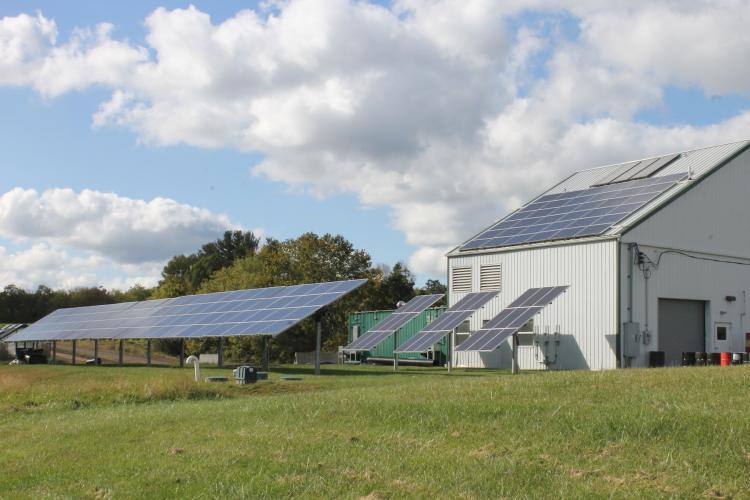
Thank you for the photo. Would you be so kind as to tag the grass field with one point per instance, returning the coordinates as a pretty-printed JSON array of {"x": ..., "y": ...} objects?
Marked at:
[{"x": 102, "y": 432}]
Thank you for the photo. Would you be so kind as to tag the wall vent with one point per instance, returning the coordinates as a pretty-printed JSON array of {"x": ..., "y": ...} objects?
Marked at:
[
  {"x": 490, "y": 277},
  {"x": 461, "y": 279}
]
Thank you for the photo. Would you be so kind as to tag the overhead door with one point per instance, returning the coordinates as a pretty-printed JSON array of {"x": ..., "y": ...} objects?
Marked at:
[{"x": 682, "y": 328}]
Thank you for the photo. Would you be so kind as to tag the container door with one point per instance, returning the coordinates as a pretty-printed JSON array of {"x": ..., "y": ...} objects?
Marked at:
[{"x": 722, "y": 337}]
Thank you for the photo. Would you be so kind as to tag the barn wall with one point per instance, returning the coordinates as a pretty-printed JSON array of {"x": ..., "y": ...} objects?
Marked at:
[
  {"x": 709, "y": 220},
  {"x": 585, "y": 316}
]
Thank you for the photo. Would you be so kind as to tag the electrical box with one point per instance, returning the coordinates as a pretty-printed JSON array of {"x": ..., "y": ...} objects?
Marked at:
[{"x": 631, "y": 335}]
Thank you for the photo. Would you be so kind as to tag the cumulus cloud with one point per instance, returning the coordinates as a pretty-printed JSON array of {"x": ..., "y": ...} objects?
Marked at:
[
  {"x": 450, "y": 112},
  {"x": 51, "y": 265},
  {"x": 124, "y": 229}
]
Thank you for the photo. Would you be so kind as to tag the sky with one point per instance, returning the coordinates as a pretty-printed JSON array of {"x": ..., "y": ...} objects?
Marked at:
[{"x": 133, "y": 131}]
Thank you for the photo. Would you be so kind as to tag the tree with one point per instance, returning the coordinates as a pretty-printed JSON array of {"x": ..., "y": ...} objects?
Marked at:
[
  {"x": 184, "y": 274},
  {"x": 433, "y": 287}
]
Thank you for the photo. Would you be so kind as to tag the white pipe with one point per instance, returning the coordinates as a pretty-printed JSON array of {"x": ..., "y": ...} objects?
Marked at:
[{"x": 197, "y": 364}]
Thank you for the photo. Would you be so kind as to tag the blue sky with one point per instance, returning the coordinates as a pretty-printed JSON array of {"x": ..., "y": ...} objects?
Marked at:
[{"x": 460, "y": 95}]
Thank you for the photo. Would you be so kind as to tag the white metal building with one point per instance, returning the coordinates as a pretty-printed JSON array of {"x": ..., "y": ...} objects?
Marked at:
[{"x": 671, "y": 276}]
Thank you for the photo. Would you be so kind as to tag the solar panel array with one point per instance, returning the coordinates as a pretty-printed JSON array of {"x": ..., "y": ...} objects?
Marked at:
[
  {"x": 393, "y": 322},
  {"x": 637, "y": 169},
  {"x": 573, "y": 214},
  {"x": 510, "y": 319},
  {"x": 260, "y": 311},
  {"x": 450, "y": 319}
]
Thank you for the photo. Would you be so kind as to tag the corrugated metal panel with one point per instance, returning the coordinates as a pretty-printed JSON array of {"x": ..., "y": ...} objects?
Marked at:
[
  {"x": 365, "y": 320},
  {"x": 586, "y": 315},
  {"x": 679, "y": 277}
]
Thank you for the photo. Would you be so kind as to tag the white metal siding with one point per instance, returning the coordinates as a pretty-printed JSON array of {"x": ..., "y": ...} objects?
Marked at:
[
  {"x": 713, "y": 216},
  {"x": 586, "y": 314},
  {"x": 710, "y": 220}
]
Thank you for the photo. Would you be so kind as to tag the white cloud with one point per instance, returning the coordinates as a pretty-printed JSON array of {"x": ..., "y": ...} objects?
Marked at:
[
  {"x": 51, "y": 265},
  {"x": 123, "y": 229},
  {"x": 438, "y": 109}
]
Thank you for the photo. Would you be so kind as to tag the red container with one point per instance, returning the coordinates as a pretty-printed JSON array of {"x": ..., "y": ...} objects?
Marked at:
[{"x": 726, "y": 358}]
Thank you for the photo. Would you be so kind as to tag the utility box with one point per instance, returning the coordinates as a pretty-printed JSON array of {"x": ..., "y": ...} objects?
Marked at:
[
  {"x": 245, "y": 375},
  {"x": 631, "y": 335}
]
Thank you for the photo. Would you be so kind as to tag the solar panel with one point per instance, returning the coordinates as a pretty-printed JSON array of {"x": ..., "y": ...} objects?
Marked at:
[
  {"x": 393, "y": 322},
  {"x": 450, "y": 319},
  {"x": 573, "y": 214},
  {"x": 637, "y": 169},
  {"x": 7, "y": 330},
  {"x": 259, "y": 311},
  {"x": 510, "y": 319}
]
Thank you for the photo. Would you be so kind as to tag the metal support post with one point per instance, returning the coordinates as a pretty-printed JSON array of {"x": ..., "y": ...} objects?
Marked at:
[
  {"x": 182, "y": 353},
  {"x": 74, "y": 353},
  {"x": 96, "y": 348},
  {"x": 514, "y": 343},
  {"x": 395, "y": 356},
  {"x": 148, "y": 352},
  {"x": 450, "y": 351},
  {"x": 220, "y": 361},
  {"x": 121, "y": 352},
  {"x": 265, "y": 353},
  {"x": 54, "y": 351},
  {"x": 318, "y": 335}
]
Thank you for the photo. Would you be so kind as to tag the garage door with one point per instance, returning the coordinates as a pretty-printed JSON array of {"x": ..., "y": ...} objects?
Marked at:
[{"x": 682, "y": 327}]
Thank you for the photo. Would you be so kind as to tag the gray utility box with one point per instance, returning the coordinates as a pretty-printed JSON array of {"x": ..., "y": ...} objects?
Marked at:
[
  {"x": 631, "y": 336},
  {"x": 245, "y": 375}
]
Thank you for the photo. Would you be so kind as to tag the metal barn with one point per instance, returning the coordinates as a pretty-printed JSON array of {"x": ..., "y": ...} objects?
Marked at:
[{"x": 655, "y": 254}]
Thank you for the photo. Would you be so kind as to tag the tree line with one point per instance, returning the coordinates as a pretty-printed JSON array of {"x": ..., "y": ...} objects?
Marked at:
[{"x": 239, "y": 261}]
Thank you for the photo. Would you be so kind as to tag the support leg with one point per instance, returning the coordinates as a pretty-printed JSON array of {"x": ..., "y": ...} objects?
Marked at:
[
  {"x": 220, "y": 361},
  {"x": 74, "y": 353},
  {"x": 96, "y": 349},
  {"x": 148, "y": 352},
  {"x": 514, "y": 366},
  {"x": 121, "y": 352},
  {"x": 265, "y": 353},
  {"x": 182, "y": 353},
  {"x": 450, "y": 351},
  {"x": 318, "y": 335},
  {"x": 54, "y": 351}
]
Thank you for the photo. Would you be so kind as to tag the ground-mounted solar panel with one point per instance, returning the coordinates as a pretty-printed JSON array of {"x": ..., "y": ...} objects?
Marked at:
[
  {"x": 7, "y": 330},
  {"x": 511, "y": 319},
  {"x": 573, "y": 214},
  {"x": 259, "y": 311},
  {"x": 446, "y": 323},
  {"x": 393, "y": 322}
]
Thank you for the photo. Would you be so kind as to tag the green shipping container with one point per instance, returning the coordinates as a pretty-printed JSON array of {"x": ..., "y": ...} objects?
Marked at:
[{"x": 361, "y": 322}]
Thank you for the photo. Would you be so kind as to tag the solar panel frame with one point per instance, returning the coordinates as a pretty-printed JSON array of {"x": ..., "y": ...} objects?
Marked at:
[
  {"x": 449, "y": 320},
  {"x": 573, "y": 214},
  {"x": 260, "y": 311},
  {"x": 393, "y": 322},
  {"x": 511, "y": 319}
]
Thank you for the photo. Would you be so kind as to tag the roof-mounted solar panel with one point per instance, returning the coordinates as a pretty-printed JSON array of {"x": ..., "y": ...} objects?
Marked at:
[
  {"x": 637, "y": 169},
  {"x": 573, "y": 214},
  {"x": 259, "y": 311}
]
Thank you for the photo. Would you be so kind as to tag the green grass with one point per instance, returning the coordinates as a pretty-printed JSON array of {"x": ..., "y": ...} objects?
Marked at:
[{"x": 366, "y": 432}]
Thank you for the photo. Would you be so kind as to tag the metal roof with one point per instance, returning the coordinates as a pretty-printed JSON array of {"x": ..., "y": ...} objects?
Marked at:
[{"x": 697, "y": 163}]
